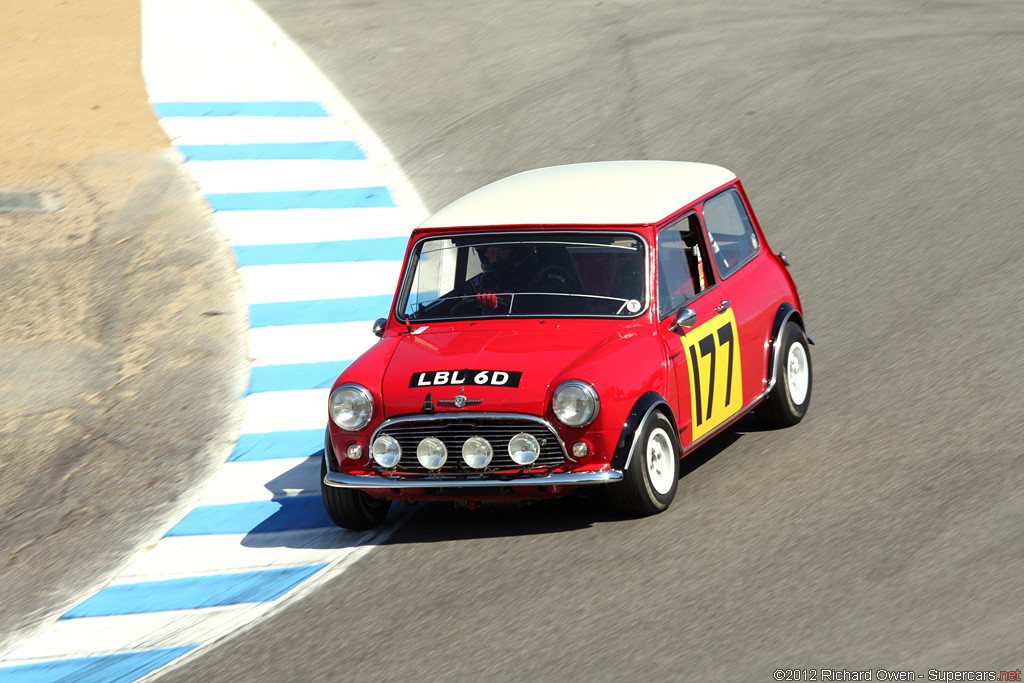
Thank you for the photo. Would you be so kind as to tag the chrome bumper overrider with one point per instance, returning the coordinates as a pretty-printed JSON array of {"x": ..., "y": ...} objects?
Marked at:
[{"x": 359, "y": 481}]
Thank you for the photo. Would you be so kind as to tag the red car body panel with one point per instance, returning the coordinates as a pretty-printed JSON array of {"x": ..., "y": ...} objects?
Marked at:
[{"x": 622, "y": 359}]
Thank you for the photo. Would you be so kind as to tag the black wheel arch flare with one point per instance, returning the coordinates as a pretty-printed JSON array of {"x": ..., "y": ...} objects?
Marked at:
[
  {"x": 332, "y": 465},
  {"x": 786, "y": 312},
  {"x": 644, "y": 405}
]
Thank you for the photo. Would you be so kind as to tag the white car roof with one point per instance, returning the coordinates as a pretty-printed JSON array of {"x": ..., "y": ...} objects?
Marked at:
[{"x": 602, "y": 193}]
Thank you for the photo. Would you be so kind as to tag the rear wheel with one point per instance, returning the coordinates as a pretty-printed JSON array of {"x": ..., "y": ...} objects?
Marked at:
[
  {"x": 649, "y": 483},
  {"x": 350, "y": 508},
  {"x": 788, "y": 400}
]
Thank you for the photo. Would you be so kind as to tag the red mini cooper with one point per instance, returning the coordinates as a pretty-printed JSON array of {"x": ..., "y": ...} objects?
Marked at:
[{"x": 572, "y": 326}]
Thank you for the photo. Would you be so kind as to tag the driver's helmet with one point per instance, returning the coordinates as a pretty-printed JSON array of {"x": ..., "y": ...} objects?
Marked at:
[{"x": 501, "y": 262}]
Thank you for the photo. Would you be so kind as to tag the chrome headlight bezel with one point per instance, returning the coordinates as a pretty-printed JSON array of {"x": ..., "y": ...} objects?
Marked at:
[
  {"x": 386, "y": 451},
  {"x": 432, "y": 453},
  {"x": 533, "y": 447},
  {"x": 477, "y": 452},
  {"x": 349, "y": 394},
  {"x": 575, "y": 390}
]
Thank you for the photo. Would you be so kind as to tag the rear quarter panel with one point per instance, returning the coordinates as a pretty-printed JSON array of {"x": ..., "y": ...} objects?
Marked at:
[{"x": 757, "y": 290}]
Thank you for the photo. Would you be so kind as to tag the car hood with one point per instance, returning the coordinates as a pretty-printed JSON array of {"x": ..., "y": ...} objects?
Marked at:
[{"x": 496, "y": 369}]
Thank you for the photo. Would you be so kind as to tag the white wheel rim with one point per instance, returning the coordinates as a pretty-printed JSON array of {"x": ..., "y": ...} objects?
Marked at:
[
  {"x": 660, "y": 461},
  {"x": 798, "y": 373}
]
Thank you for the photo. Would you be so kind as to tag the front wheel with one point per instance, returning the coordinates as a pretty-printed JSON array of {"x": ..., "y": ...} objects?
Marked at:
[
  {"x": 350, "y": 508},
  {"x": 788, "y": 400},
  {"x": 649, "y": 483}
]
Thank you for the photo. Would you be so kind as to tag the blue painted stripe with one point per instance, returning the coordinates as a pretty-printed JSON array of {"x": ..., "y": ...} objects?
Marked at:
[
  {"x": 280, "y": 514},
  {"x": 349, "y": 310},
  {"x": 337, "y": 150},
  {"x": 343, "y": 198},
  {"x": 193, "y": 592},
  {"x": 295, "y": 376},
  {"x": 308, "y": 109},
  {"x": 373, "y": 249},
  {"x": 299, "y": 443},
  {"x": 120, "y": 668}
]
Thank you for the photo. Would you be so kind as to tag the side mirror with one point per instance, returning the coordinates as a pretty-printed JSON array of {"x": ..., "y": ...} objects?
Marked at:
[
  {"x": 378, "y": 326},
  {"x": 685, "y": 318}
]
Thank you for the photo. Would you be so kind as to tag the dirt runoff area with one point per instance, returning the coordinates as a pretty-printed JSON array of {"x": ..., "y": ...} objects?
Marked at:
[{"x": 122, "y": 325}]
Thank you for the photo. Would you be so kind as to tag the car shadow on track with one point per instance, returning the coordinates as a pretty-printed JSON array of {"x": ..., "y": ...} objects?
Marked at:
[
  {"x": 438, "y": 522},
  {"x": 747, "y": 424},
  {"x": 301, "y": 521}
]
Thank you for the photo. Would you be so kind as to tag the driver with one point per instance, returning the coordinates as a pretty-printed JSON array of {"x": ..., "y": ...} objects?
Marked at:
[{"x": 514, "y": 269}]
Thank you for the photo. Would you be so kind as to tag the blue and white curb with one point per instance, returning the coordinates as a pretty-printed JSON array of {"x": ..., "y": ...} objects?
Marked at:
[{"x": 317, "y": 215}]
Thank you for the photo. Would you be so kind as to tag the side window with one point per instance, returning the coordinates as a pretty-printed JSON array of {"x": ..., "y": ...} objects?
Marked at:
[
  {"x": 733, "y": 240},
  {"x": 681, "y": 272}
]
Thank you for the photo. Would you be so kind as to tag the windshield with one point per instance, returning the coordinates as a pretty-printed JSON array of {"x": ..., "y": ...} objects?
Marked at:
[{"x": 592, "y": 274}]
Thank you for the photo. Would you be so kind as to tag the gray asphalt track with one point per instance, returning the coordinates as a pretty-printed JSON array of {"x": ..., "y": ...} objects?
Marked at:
[{"x": 881, "y": 145}]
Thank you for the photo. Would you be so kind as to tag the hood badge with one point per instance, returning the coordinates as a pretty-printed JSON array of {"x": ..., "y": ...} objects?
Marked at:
[{"x": 459, "y": 401}]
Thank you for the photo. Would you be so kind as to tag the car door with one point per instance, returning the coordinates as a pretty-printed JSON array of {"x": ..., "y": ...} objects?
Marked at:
[{"x": 699, "y": 330}]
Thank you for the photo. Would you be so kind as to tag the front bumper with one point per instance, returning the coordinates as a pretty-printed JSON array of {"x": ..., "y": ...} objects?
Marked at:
[{"x": 369, "y": 481}]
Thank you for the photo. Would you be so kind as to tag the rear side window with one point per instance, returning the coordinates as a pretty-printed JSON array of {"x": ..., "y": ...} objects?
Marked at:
[{"x": 733, "y": 240}]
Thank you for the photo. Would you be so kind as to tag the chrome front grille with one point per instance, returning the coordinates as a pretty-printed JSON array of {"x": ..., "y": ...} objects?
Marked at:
[{"x": 453, "y": 430}]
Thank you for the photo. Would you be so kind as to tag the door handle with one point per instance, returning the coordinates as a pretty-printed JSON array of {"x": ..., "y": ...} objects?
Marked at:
[{"x": 722, "y": 306}]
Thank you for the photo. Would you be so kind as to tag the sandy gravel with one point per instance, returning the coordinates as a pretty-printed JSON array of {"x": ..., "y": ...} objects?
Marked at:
[{"x": 122, "y": 325}]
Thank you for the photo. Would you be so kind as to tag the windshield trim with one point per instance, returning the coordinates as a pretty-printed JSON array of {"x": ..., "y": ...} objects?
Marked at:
[{"x": 407, "y": 274}]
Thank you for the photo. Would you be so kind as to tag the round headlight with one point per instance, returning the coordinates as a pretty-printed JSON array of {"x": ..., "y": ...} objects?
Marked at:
[
  {"x": 351, "y": 407},
  {"x": 575, "y": 403},
  {"x": 477, "y": 452},
  {"x": 524, "y": 449},
  {"x": 431, "y": 453},
  {"x": 386, "y": 451}
]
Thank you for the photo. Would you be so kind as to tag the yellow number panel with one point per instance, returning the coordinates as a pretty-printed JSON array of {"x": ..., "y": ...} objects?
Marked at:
[{"x": 716, "y": 385}]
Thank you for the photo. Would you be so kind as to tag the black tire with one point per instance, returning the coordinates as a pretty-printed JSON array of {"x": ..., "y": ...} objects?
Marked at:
[
  {"x": 350, "y": 508},
  {"x": 783, "y": 408},
  {"x": 646, "y": 488}
]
